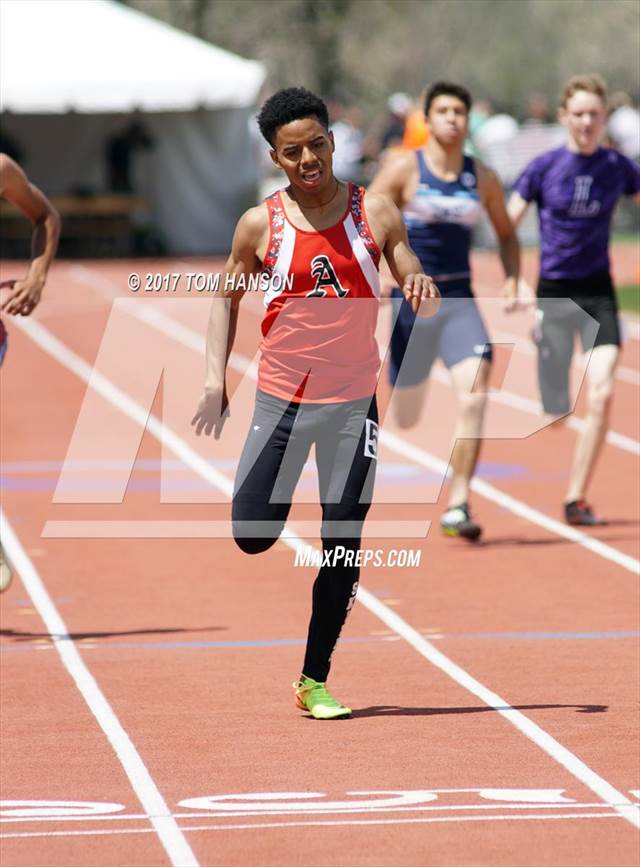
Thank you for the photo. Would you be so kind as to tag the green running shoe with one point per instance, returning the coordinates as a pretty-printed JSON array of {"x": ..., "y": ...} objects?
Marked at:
[{"x": 313, "y": 696}]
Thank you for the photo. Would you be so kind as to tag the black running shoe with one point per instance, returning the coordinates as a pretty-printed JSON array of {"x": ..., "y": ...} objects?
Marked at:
[
  {"x": 580, "y": 514},
  {"x": 457, "y": 521}
]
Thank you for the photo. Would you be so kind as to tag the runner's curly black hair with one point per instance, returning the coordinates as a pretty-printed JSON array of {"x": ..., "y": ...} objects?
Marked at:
[{"x": 292, "y": 103}]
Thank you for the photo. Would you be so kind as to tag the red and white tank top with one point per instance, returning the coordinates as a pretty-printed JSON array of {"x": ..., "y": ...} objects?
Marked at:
[{"x": 321, "y": 304}]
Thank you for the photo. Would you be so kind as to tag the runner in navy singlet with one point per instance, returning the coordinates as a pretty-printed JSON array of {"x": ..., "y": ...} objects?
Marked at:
[
  {"x": 442, "y": 193},
  {"x": 21, "y": 296},
  {"x": 576, "y": 188}
]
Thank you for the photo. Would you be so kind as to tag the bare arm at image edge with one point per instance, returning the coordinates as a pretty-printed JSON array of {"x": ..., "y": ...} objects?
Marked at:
[{"x": 25, "y": 294}]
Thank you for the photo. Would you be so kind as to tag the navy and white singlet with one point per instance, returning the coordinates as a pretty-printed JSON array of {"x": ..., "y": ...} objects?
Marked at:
[{"x": 440, "y": 217}]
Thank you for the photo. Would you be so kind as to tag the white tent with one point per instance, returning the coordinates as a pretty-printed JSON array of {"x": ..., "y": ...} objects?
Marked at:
[{"x": 73, "y": 71}]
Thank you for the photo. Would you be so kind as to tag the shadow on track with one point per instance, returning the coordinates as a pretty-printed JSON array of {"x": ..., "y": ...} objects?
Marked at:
[
  {"x": 19, "y": 635},
  {"x": 520, "y": 542},
  {"x": 391, "y": 710}
]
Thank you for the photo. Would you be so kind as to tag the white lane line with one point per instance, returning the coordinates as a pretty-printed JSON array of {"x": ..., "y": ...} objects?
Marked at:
[
  {"x": 164, "y": 825},
  {"x": 625, "y": 374},
  {"x": 517, "y": 507},
  {"x": 631, "y": 327},
  {"x": 628, "y": 374},
  {"x": 576, "y": 767},
  {"x": 109, "y": 290},
  {"x": 260, "y": 826},
  {"x": 193, "y": 340},
  {"x": 618, "y": 440},
  {"x": 531, "y": 730},
  {"x": 533, "y": 407}
]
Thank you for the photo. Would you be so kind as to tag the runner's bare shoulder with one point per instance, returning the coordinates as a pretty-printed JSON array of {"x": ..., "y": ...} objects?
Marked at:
[
  {"x": 10, "y": 172},
  {"x": 380, "y": 207},
  {"x": 396, "y": 175},
  {"x": 253, "y": 226}
]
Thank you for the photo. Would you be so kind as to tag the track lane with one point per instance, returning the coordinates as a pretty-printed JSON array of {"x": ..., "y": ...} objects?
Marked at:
[{"x": 249, "y": 673}]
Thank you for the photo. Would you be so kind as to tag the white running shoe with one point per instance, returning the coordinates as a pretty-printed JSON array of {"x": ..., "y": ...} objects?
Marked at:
[{"x": 458, "y": 522}]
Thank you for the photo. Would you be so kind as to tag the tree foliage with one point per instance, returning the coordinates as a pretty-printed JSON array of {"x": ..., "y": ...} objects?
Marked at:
[{"x": 365, "y": 49}]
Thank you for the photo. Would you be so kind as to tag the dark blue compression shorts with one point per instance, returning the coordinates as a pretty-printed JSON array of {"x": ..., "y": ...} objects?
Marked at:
[{"x": 456, "y": 332}]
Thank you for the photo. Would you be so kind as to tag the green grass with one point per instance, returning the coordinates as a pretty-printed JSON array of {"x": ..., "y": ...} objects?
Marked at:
[
  {"x": 629, "y": 298},
  {"x": 629, "y": 236},
  {"x": 626, "y": 237}
]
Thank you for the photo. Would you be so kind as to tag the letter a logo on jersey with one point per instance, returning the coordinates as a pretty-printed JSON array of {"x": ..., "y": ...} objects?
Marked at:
[{"x": 323, "y": 271}]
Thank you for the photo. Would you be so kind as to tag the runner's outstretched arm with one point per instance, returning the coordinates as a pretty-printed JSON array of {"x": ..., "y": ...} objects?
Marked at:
[
  {"x": 392, "y": 179},
  {"x": 242, "y": 263},
  {"x": 516, "y": 209},
  {"x": 508, "y": 244},
  {"x": 25, "y": 294}
]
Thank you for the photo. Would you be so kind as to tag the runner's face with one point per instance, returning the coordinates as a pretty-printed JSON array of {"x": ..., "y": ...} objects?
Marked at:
[
  {"x": 304, "y": 149},
  {"x": 585, "y": 117},
  {"x": 448, "y": 120}
]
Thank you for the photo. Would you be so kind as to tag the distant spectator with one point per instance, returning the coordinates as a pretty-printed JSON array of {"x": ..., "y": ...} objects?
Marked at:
[
  {"x": 538, "y": 112},
  {"x": 119, "y": 152},
  {"x": 349, "y": 141},
  {"x": 10, "y": 147},
  {"x": 416, "y": 131},
  {"x": 481, "y": 111},
  {"x": 399, "y": 106},
  {"x": 624, "y": 125},
  {"x": 269, "y": 175},
  {"x": 493, "y": 143},
  {"x": 498, "y": 129}
]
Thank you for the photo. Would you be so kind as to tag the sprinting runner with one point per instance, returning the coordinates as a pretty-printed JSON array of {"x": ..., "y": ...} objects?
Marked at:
[
  {"x": 441, "y": 192},
  {"x": 22, "y": 295},
  {"x": 576, "y": 188},
  {"x": 319, "y": 360}
]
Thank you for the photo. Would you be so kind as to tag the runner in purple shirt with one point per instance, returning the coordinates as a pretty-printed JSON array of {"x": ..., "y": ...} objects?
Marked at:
[{"x": 576, "y": 188}]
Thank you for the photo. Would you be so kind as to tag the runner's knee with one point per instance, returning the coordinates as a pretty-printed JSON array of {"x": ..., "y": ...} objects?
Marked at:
[
  {"x": 257, "y": 528},
  {"x": 600, "y": 394},
  {"x": 247, "y": 538},
  {"x": 472, "y": 404},
  {"x": 407, "y": 415}
]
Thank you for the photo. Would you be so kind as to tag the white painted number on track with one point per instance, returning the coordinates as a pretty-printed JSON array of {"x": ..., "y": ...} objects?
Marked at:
[
  {"x": 265, "y": 803},
  {"x": 290, "y": 801},
  {"x": 301, "y": 802},
  {"x": 48, "y": 809}
]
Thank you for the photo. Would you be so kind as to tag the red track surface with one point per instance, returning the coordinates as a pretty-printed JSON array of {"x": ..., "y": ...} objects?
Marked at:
[{"x": 194, "y": 644}]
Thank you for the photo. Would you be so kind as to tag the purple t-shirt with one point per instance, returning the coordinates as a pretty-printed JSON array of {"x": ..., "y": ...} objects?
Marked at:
[{"x": 576, "y": 195}]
